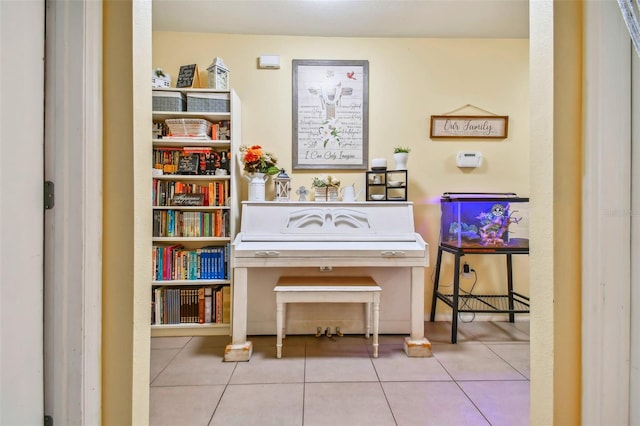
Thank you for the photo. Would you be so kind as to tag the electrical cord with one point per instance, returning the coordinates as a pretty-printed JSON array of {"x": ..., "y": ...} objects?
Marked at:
[{"x": 465, "y": 302}]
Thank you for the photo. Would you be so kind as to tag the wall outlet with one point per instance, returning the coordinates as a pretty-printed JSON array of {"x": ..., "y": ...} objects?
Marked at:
[{"x": 466, "y": 270}]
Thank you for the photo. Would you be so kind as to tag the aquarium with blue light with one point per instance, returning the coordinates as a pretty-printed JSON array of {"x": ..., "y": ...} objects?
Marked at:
[{"x": 491, "y": 221}]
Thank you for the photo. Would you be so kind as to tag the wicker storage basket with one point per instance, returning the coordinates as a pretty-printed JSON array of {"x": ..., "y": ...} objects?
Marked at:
[
  {"x": 208, "y": 102},
  {"x": 326, "y": 193},
  {"x": 188, "y": 127},
  {"x": 169, "y": 101}
]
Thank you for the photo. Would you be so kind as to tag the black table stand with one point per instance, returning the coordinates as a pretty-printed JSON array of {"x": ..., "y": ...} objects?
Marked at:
[{"x": 511, "y": 303}]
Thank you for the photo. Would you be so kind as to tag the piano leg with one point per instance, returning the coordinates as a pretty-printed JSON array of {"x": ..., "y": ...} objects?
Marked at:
[
  {"x": 417, "y": 345},
  {"x": 367, "y": 331},
  {"x": 240, "y": 349}
]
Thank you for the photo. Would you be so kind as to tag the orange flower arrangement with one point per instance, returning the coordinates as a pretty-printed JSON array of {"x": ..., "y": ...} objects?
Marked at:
[{"x": 257, "y": 160}]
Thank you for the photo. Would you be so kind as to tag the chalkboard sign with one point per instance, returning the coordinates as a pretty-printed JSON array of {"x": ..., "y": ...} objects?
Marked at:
[
  {"x": 187, "y": 76},
  {"x": 188, "y": 164},
  {"x": 187, "y": 199}
]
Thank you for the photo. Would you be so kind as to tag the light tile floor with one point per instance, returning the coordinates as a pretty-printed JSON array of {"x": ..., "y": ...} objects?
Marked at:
[{"x": 481, "y": 380}]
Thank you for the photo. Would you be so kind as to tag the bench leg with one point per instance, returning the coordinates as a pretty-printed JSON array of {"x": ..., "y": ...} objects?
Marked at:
[
  {"x": 367, "y": 325},
  {"x": 376, "y": 319},
  {"x": 284, "y": 320},
  {"x": 279, "y": 328}
]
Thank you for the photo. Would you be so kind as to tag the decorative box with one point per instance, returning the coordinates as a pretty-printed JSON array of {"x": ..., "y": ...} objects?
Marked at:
[
  {"x": 208, "y": 102},
  {"x": 169, "y": 101},
  {"x": 484, "y": 220},
  {"x": 160, "y": 79},
  {"x": 326, "y": 193},
  {"x": 160, "y": 82},
  {"x": 188, "y": 127}
]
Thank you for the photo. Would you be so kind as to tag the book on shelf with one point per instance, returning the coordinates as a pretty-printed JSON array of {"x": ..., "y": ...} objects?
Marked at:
[
  {"x": 218, "y": 310},
  {"x": 191, "y": 305},
  {"x": 208, "y": 305},
  {"x": 226, "y": 304},
  {"x": 213, "y": 193},
  {"x": 175, "y": 262},
  {"x": 186, "y": 224}
]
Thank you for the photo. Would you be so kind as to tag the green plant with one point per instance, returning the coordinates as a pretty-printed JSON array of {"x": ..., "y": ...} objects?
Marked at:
[
  {"x": 325, "y": 181},
  {"x": 399, "y": 149}
]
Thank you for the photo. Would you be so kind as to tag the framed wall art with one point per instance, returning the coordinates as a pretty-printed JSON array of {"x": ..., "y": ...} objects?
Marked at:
[{"x": 330, "y": 114}]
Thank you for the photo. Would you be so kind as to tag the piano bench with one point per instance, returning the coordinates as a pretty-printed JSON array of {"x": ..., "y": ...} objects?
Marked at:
[{"x": 325, "y": 289}]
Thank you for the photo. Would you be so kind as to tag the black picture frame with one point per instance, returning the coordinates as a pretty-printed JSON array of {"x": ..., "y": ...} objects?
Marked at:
[{"x": 330, "y": 114}]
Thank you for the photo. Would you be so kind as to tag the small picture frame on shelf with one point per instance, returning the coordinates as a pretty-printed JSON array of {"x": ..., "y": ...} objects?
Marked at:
[
  {"x": 188, "y": 76},
  {"x": 187, "y": 199},
  {"x": 189, "y": 164}
]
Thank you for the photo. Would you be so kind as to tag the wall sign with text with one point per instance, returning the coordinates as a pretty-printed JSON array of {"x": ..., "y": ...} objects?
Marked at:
[{"x": 469, "y": 126}]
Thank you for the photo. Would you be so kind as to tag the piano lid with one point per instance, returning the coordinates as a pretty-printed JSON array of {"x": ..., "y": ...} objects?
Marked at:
[
  {"x": 381, "y": 233},
  {"x": 319, "y": 221}
]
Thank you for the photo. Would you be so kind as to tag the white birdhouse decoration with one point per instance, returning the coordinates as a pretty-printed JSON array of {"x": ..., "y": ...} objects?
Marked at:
[
  {"x": 283, "y": 186},
  {"x": 218, "y": 74}
]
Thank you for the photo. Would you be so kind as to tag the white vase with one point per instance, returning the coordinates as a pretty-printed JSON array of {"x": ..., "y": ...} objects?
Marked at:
[
  {"x": 401, "y": 159},
  {"x": 257, "y": 186}
]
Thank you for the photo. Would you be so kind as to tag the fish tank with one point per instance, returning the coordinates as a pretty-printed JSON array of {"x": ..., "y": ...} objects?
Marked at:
[{"x": 484, "y": 221}]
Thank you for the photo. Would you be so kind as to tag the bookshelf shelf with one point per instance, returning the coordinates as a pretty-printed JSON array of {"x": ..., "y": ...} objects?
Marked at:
[
  {"x": 211, "y": 116},
  {"x": 178, "y": 304},
  {"x": 180, "y": 142},
  {"x": 190, "y": 326},
  {"x": 196, "y": 208},
  {"x": 189, "y": 282},
  {"x": 190, "y": 239},
  {"x": 207, "y": 178}
]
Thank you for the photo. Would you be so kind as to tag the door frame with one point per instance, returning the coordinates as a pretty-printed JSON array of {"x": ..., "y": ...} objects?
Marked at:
[
  {"x": 606, "y": 207},
  {"x": 73, "y": 228}
]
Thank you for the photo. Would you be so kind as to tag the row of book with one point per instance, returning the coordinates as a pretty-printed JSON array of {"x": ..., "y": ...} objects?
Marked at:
[
  {"x": 207, "y": 160},
  {"x": 174, "y": 262},
  {"x": 166, "y": 193},
  {"x": 186, "y": 224},
  {"x": 191, "y": 305}
]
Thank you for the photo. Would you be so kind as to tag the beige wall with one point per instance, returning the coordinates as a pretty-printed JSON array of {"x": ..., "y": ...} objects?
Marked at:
[
  {"x": 127, "y": 230},
  {"x": 556, "y": 96},
  {"x": 409, "y": 80}
]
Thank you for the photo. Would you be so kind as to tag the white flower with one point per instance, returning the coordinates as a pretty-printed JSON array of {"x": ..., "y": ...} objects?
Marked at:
[{"x": 330, "y": 132}]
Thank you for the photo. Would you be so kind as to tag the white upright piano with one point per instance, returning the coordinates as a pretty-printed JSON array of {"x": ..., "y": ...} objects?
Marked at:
[{"x": 331, "y": 238}]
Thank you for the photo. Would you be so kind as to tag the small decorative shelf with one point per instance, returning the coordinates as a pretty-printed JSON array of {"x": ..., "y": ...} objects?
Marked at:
[{"x": 387, "y": 185}]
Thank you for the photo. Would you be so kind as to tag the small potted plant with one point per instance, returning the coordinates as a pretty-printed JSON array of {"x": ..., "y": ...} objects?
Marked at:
[
  {"x": 326, "y": 188},
  {"x": 401, "y": 157}
]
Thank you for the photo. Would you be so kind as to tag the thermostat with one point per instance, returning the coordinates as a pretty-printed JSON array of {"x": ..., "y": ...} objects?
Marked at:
[{"x": 469, "y": 159}]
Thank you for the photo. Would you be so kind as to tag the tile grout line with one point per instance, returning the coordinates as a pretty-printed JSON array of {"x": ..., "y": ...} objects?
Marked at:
[
  {"x": 213, "y": 413},
  {"x": 386, "y": 398},
  {"x": 168, "y": 362}
]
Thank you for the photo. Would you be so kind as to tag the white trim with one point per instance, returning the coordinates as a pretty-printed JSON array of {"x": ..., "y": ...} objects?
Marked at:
[
  {"x": 92, "y": 280},
  {"x": 606, "y": 220},
  {"x": 73, "y": 228},
  {"x": 634, "y": 388}
]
